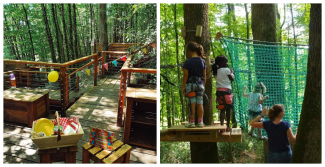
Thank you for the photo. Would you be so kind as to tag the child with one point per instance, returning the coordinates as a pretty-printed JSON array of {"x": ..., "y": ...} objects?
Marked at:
[
  {"x": 194, "y": 77},
  {"x": 255, "y": 100},
  {"x": 223, "y": 76}
]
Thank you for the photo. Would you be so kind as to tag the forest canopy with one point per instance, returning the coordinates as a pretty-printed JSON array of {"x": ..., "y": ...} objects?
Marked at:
[{"x": 63, "y": 32}]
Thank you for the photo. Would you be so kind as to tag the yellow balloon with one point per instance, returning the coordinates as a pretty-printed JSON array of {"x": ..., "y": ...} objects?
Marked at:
[{"x": 53, "y": 76}]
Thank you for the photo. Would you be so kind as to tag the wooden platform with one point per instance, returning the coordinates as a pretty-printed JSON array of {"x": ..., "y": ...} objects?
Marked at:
[
  {"x": 97, "y": 107},
  {"x": 209, "y": 133}
]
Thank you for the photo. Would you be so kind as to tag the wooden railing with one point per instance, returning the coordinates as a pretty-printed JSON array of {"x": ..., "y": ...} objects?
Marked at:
[
  {"x": 125, "y": 77},
  {"x": 64, "y": 76}
]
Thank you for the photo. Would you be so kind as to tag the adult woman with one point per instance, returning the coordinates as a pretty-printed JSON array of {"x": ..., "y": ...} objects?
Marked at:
[
  {"x": 194, "y": 75},
  {"x": 278, "y": 131}
]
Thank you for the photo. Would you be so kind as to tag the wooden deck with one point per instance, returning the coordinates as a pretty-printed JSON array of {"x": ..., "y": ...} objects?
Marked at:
[{"x": 97, "y": 107}]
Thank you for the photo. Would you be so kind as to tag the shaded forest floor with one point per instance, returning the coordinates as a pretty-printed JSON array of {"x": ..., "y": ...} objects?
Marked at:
[{"x": 250, "y": 150}]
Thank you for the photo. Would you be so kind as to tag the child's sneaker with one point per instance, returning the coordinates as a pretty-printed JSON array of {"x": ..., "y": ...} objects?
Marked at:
[
  {"x": 200, "y": 124},
  {"x": 190, "y": 125}
]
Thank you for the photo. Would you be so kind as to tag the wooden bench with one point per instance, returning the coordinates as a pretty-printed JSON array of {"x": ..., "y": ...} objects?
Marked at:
[
  {"x": 67, "y": 154},
  {"x": 120, "y": 153}
]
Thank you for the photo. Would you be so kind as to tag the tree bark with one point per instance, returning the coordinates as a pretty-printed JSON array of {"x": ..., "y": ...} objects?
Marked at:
[
  {"x": 293, "y": 26},
  {"x": 75, "y": 31},
  {"x": 65, "y": 33},
  {"x": 56, "y": 31},
  {"x": 30, "y": 35},
  {"x": 264, "y": 29},
  {"x": 70, "y": 34},
  {"x": 231, "y": 19},
  {"x": 177, "y": 59},
  {"x": 197, "y": 14},
  {"x": 48, "y": 32},
  {"x": 103, "y": 27},
  {"x": 309, "y": 138}
]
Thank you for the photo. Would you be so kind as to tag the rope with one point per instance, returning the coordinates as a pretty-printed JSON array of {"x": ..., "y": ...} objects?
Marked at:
[{"x": 281, "y": 67}]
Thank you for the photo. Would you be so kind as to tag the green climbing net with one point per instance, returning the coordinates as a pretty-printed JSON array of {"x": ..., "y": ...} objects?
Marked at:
[{"x": 281, "y": 67}]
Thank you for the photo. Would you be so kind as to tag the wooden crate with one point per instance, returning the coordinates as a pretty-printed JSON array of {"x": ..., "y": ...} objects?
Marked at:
[
  {"x": 66, "y": 154},
  {"x": 140, "y": 120},
  {"x": 51, "y": 141},
  {"x": 120, "y": 153},
  {"x": 25, "y": 105}
]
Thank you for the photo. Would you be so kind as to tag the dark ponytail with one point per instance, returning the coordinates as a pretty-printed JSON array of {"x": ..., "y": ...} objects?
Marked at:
[
  {"x": 217, "y": 62},
  {"x": 195, "y": 47},
  {"x": 275, "y": 111}
]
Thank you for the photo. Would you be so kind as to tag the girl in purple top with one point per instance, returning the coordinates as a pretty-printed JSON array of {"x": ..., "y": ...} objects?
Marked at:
[
  {"x": 279, "y": 133},
  {"x": 194, "y": 78}
]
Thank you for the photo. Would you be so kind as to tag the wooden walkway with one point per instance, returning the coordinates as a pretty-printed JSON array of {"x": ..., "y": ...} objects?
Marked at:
[{"x": 97, "y": 107}]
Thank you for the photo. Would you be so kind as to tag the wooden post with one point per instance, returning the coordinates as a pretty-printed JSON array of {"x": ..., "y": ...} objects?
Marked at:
[
  {"x": 121, "y": 99},
  {"x": 28, "y": 79},
  {"x": 95, "y": 69},
  {"x": 129, "y": 77},
  {"x": 103, "y": 62},
  {"x": 63, "y": 90},
  {"x": 127, "y": 121},
  {"x": 94, "y": 51}
]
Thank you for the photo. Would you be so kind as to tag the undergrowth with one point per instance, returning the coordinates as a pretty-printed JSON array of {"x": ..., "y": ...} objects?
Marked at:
[{"x": 250, "y": 150}]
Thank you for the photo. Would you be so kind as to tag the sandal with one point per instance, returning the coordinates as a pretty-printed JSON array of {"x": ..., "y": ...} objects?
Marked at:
[
  {"x": 262, "y": 138},
  {"x": 228, "y": 129}
]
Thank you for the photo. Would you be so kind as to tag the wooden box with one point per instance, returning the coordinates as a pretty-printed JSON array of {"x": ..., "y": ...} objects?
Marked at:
[
  {"x": 51, "y": 141},
  {"x": 140, "y": 120},
  {"x": 25, "y": 105}
]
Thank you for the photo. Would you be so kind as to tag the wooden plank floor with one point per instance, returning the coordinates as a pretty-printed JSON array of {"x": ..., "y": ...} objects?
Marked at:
[{"x": 97, "y": 107}]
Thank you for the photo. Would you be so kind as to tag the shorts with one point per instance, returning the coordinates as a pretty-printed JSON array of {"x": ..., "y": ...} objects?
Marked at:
[
  {"x": 282, "y": 157},
  {"x": 253, "y": 114},
  {"x": 227, "y": 94},
  {"x": 195, "y": 88}
]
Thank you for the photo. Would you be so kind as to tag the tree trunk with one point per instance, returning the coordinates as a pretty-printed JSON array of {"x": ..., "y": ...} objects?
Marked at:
[
  {"x": 247, "y": 21},
  {"x": 293, "y": 26},
  {"x": 177, "y": 59},
  {"x": 65, "y": 32},
  {"x": 264, "y": 29},
  {"x": 48, "y": 32},
  {"x": 103, "y": 27},
  {"x": 56, "y": 31},
  {"x": 173, "y": 106},
  {"x": 75, "y": 31},
  {"x": 231, "y": 19},
  {"x": 30, "y": 35},
  {"x": 91, "y": 22},
  {"x": 197, "y": 14},
  {"x": 309, "y": 139},
  {"x": 70, "y": 34}
]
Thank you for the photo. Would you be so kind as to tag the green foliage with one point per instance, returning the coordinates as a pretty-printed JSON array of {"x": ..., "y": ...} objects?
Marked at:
[
  {"x": 127, "y": 23},
  {"x": 250, "y": 150}
]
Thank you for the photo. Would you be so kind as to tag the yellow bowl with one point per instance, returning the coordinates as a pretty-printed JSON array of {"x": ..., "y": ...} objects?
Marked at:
[{"x": 44, "y": 125}]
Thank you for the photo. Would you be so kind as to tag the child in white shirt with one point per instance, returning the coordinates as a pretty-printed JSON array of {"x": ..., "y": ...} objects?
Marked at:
[{"x": 223, "y": 76}]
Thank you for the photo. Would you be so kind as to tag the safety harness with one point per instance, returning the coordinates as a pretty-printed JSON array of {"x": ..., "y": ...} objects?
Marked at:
[
  {"x": 222, "y": 99},
  {"x": 194, "y": 80}
]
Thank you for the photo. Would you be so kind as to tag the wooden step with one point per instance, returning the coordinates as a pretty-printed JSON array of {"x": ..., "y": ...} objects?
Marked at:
[
  {"x": 200, "y": 136},
  {"x": 205, "y": 128}
]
